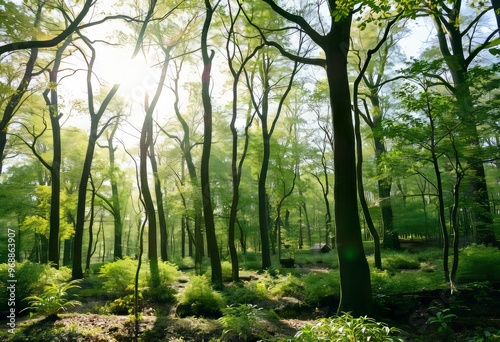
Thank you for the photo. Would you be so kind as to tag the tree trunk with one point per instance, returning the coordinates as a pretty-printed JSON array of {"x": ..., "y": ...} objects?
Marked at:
[
  {"x": 458, "y": 67},
  {"x": 77, "y": 271},
  {"x": 95, "y": 117},
  {"x": 159, "y": 203},
  {"x": 146, "y": 141},
  {"x": 208, "y": 212},
  {"x": 355, "y": 286},
  {"x": 115, "y": 197}
]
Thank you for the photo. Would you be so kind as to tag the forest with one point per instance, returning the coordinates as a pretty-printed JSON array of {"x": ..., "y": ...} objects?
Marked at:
[{"x": 259, "y": 170}]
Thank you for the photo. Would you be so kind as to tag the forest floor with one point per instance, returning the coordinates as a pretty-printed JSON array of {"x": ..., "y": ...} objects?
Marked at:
[{"x": 477, "y": 313}]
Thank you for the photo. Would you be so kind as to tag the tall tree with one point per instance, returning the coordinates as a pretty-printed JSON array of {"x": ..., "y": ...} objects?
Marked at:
[
  {"x": 95, "y": 133},
  {"x": 451, "y": 29},
  {"x": 355, "y": 285},
  {"x": 237, "y": 61},
  {"x": 55, "y": 167},
  {"x": 208, "y": 211}
]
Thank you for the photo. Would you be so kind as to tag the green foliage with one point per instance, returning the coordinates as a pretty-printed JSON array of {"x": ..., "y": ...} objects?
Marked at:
[
  {"x": 123, "y": 305},
  {"x": 401, "y": 262},
  {"x": 439, "y": 324},
  {"x": 199, "y": 299},
  {"x": 49, "y": 330},
  {"x": 289, "y": 286},
  {"x": 487, "y": 334},
  {"x": 387, "y": 282},
  {"x": 250, "y": 261},
  {"x": 119, "y": 276},
  {"x": 160, "y": 294},
  {"x": 241, "y": 320},
  {"x": 226, "y": 271},
  {"x": 479, "y": 263},
  {"x": 33, "y": 277},
  {"x": 250, "y": 292},
  {"x": 321, "y": 288},
  {"x": 53, "y": 299},
  {"x": 347, "y": 328}
]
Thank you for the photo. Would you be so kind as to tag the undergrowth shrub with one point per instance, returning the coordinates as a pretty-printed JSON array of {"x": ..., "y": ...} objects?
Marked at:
[
  {"x": 199, "y": 299},
  {"x": 321, "y": 288},
  {"x": 33, "y": 278},
  {"x": 289, "y": 286},
  {"x": 386, "y": 282},
  {"x": 401, "y": 262},
  {"x": 347, "y": 328},
  {"x": 123, "y": 305},
  {"x": 53, "y": 299},
  {"x": 251, "y": 292},
  {"x": 479, "y": 263},
  {"x": 250, "y": 261},
  {"x": 119, "y": 276},
  {"x": 241, "y": 321}
]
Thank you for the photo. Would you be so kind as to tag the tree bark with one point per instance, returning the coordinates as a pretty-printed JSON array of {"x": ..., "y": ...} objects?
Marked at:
[
  {"x": 208, "y": 212},
  {"x": 355, "y": 286},
  {"x": 95, "y": 117}
]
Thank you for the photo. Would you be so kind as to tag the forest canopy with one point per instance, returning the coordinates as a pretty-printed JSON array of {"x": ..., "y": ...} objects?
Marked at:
[{"x": 168, "y": 130}]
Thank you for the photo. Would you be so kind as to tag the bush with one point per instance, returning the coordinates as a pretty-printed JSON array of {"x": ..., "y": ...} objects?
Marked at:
[
  {"x": 401, "y": 262},
  {"x": 386, "y": 282},
  {"x": 289, "y": 286},
  {"x": 123, "y": 305},
  {"x": 160, "y": 294},
  {"x": 241, "y": 320},
  {"x": 322, "y": 288},
  {"x": 251, "y": 292},
  {"x": 33, "y": 278},
  {"x": 347, "y": 328},
  {"x": 199, "y": 299},
  {"x": 119, "y": 276},
  {"x": 53, "y": 299}
]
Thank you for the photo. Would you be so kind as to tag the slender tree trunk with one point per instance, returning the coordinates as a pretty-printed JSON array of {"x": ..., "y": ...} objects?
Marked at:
[
  {"x": 115, "y": 197},
  {"x": 262, "y": 194},
  {"x": 208, "y": 212},
  {"x": 148, "y": 200},
  {"x": 146, "y": 141},
  {"x": 91, "y": 227},
  {"x": 362, "y": 198},
  {"x": 159, "y": 203},
  {"x": 442, "y": 218},
  {"x": 77, "y": 271}
]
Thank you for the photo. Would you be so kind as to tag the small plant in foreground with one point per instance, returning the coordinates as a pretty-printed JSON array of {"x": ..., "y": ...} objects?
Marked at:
[
  {"x": 53, "y": 299},
  {"x": 199, "y": 299},
  {"x": 241, "y": 320},
  {"x": 441, "y": 320},
  {"x": 347, "y": 328}
]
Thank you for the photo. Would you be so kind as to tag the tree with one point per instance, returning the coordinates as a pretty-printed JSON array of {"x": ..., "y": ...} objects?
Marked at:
[
  {"x": 451, "y": 28},
  {"x": 236, "y": 63},
  {"x": 385, "y": 187},
  {"x": 114, "y": 205},
  {"x": 95, "y": 133},
  {"x": 355, "y": 285},
  {"x": 208, "y": 211}
]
